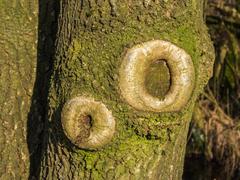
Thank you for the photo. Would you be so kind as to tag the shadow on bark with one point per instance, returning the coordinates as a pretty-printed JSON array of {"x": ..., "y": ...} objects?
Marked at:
[{"x": 37, "y": 117}]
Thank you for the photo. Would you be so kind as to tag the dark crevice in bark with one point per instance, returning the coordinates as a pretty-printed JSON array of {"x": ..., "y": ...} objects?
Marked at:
[{"x": 37, "y": 122}]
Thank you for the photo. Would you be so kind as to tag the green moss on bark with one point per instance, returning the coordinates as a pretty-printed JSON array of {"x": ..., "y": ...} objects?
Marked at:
[{"x": 92, "y": 39}]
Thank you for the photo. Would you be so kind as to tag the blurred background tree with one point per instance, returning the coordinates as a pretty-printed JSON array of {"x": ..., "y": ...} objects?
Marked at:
[{"x": 214, "y": 136}]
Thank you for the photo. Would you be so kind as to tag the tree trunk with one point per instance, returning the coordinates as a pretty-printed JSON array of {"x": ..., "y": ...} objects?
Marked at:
[
  {"x": 92, "y": 39},
  {"x": 18, "y": 49}
]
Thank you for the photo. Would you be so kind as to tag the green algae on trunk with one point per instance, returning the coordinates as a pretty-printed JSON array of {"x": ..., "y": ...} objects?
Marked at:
[{"x": 93, "y": 37}]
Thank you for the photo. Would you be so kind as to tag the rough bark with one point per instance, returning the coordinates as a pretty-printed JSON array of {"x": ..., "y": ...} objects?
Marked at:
[
  {"x": 92, "y": 36},
  {"x": 18, "y": 52}
]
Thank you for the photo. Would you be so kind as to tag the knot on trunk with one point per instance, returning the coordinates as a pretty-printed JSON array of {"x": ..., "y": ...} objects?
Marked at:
[
  {"x": 140, "y": 83},
  {"x": 87, "y": 123}
]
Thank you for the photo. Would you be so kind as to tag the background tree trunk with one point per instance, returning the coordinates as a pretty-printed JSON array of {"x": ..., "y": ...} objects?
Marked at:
[
  {"x": 18, "y": 52},
  {"x": 91, "y": 39}
]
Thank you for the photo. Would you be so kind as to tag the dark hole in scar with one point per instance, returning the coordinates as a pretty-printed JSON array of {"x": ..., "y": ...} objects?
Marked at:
[
  {"x": 158, "y": 78},
  {"x": 84, "y": 123}
]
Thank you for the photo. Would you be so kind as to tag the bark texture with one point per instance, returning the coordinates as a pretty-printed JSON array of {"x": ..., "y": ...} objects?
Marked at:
[
  {"x": 92, "y": 37},
  {"x": 18, "y": 58}
]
